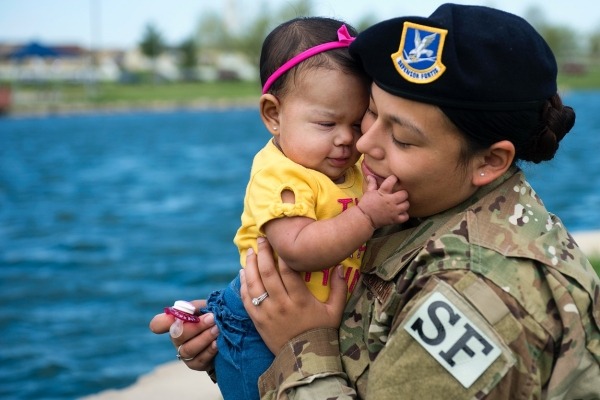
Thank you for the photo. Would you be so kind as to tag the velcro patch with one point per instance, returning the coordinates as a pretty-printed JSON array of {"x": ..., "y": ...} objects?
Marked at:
[
  {"x": 419, "y": 57},
  {"x": 452, "y": 338}
]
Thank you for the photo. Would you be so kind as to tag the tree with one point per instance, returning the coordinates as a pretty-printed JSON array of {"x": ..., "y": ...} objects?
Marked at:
[
  {"x": 152, "y": 46},
  {"x": 366, "y": 21},
  {"x": 250, "y": 42},
  {"x": 562, "y": 40},
  {"x": 212, "y": 33},
  {"x": 188, "y": 58},
  {"x": 594, "y": 47}
]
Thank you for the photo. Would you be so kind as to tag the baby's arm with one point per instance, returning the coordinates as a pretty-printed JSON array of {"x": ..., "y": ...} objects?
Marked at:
[{"x": 309, "y": 245}]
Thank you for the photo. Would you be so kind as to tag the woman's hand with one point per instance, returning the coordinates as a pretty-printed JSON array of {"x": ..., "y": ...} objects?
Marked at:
[
  {"x": 290, "y": 309},
  {"x": 198, "y": 341}
]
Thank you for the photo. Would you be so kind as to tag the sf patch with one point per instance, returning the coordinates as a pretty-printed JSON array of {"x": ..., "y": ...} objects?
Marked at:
[
  {"x": 419, "y": 57},
  {"x": 452, "y": 338}
]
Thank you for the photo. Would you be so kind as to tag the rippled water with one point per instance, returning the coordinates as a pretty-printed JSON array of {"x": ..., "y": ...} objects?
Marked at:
[{"x": 105, "y": 219}]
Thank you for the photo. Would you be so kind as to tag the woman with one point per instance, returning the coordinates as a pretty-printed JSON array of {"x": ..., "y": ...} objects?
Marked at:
[{"x": 483, "y": 294}]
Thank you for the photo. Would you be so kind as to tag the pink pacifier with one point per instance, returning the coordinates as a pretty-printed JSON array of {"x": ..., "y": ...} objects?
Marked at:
[{"x": 183, "y": 311}]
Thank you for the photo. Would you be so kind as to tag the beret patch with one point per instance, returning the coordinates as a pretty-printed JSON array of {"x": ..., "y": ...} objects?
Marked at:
[
  {"x": 467, "y": 57},
  {"x": 419, "y": 57}
]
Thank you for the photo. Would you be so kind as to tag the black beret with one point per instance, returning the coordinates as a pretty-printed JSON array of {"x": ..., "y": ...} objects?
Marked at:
[{"x": 468, "y": 57}]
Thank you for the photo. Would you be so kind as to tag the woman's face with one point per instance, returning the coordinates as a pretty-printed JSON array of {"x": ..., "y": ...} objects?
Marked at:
[{"x": 418, "y": 144}]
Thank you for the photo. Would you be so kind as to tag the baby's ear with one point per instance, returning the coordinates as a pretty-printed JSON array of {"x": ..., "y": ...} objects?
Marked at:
[{"x": 269, "y": 113}]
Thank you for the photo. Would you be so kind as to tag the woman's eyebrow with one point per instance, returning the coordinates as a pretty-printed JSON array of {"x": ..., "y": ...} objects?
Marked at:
[{"x": 406, "y": 124}]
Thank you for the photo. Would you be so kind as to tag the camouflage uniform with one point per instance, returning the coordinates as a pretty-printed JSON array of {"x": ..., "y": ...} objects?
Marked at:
[{"x": 492, "y": 299}]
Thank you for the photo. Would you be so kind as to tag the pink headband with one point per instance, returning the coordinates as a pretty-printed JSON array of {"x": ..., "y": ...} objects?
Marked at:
[{"x": 344, "y": 40}]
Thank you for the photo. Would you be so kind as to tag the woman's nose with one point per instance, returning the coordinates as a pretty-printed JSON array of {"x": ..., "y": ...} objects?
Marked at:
[{"x": 366, "y": 144}]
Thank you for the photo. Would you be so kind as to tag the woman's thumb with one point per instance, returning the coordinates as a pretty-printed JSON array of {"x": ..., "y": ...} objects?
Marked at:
[{"x": 339, "y": 291}]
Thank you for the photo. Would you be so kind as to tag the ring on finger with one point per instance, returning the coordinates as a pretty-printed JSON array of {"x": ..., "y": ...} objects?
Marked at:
[
  {"x": 257, "y": 300},
  {"x": 180, "y": 357}
]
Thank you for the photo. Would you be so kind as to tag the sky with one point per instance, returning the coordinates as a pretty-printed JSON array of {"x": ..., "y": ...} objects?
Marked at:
[{"x": 120, "y": 23}]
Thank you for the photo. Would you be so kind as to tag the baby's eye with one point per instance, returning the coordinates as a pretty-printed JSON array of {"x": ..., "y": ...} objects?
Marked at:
[{"x": 327, "y": 124}]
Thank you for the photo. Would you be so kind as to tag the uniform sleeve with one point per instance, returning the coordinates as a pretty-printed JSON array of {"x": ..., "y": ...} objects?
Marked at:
[
  {"x": 266, "y": 186},
  {"x": 458, "y": 336},
  {"x": 461, "y": 336},
  {"x": 441, "y": 346},
  {"x": 308, "y": 368}
]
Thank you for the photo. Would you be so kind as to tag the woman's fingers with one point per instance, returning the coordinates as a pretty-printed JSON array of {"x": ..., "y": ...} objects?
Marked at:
[
  {"x": 198, "y": 304},
  {"x": 290, "y": 308},
  {"x": 198, "y": 340},
  {"x": 201, "y": 345},
  {"x": 339, "y": 292},
  {"x": 268, "y": 271},
  {"x": 291, "y": 281},
  {"x": 251, "y": 282},
  {"x": 161, "y": 323}
]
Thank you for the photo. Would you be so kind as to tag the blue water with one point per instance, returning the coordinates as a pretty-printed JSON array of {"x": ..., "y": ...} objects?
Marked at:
[{"x": 105, "y": 219}]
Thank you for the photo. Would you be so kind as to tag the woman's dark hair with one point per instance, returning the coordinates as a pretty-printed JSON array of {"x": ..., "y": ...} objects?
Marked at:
[
  {"x": 535, "y": 133},
  {"x": 297, "y": 35}
]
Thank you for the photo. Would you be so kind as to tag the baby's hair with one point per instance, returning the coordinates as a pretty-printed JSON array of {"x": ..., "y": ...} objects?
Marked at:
[{"x": 297, "y": 35}]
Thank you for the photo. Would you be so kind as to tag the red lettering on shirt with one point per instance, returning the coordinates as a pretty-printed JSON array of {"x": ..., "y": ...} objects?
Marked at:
[
  {"x": 307, "y": 277},
  {"x": 346, "y": 203},
  {"x": 352, "y": 284},
  {"x": 325, "y": 280}
]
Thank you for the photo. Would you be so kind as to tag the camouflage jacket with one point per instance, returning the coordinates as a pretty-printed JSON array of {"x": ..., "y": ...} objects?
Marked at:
[{"x": 492, "y": 299}]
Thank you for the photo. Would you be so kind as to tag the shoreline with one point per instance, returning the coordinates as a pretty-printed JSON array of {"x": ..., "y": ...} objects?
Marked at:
[
  {"x": 46, "y": 110},
  {"x": 175, "y": 380}
]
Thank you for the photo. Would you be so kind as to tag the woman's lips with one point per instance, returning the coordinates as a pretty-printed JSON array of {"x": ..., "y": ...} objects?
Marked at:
[{"x": 366, "y": 171}]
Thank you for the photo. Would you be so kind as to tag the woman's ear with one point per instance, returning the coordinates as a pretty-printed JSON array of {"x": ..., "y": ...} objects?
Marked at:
[
  {"x": 269, "y": 112},
  {"x": 493, "y": 162}
]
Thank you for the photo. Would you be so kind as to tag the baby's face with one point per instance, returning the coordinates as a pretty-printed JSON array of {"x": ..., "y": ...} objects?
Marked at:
[{"x": 320, "y": 119}]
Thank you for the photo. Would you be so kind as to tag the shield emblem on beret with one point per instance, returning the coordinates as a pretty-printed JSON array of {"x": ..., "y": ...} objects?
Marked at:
[{"x": 419, "y": 57}]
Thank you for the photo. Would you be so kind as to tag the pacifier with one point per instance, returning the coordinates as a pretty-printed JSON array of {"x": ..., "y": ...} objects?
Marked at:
[{"x": 183, "y": 311}]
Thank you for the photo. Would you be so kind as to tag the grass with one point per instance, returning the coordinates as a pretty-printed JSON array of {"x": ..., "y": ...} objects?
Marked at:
[
  {"x": 57, "y": 96},
  {"x": 587, "y": 81},
  {"x": 178, "y": 92},
  {"x": 64, "y": 97}
]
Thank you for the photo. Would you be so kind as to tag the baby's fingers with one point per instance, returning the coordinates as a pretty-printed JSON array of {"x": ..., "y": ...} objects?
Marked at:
[{"x": 387, "y": 186}]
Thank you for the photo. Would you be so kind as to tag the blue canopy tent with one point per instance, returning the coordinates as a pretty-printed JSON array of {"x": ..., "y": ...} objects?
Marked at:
[{"x": 34, "y": 49}]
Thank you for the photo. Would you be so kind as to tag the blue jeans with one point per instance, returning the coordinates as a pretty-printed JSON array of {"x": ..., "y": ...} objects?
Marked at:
[{"x": 242, "y": 355}]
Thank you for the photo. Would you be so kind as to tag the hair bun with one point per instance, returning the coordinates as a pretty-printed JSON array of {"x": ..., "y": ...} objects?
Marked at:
[{"x": 557, "y": 121}]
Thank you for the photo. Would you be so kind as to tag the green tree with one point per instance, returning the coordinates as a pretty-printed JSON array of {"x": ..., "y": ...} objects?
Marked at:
[
  {"x": 299, "y": 8},
  {"x": 152, "y": 46},
  {"x": 212, "y": 33},
  {"x": 562, "y": 40},
  {"x": 250, "y": 41},
  {"x": 188, "y": 59},
  {"x": 365, "y": 22},
  {"x": 594, "y": 48}
]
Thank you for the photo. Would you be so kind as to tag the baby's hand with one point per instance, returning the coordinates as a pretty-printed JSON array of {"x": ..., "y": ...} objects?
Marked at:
[{"x": 383, "y": 206}]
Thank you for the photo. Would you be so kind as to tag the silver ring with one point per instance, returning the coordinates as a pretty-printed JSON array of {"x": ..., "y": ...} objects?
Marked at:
[
  {"x": 179, "y": 356},
  {"x": 257, "y": 300}
]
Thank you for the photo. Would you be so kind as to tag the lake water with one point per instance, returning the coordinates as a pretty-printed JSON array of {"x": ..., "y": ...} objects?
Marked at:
[{"x": 105, "y": 219}]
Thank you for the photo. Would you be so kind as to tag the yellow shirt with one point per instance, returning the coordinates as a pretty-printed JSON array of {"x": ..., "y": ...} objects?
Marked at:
[{"x": 316, "y": 196}]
